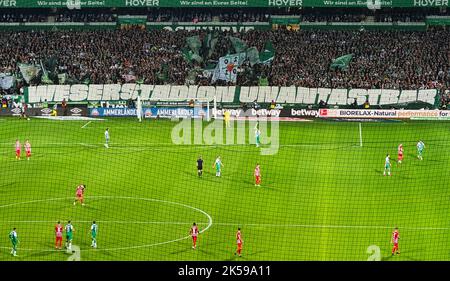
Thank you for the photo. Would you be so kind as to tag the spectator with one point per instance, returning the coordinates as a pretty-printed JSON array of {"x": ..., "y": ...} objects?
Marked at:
[
  {"x": 366, "y": 104},
  {"x": 355, "y": 104},
  {"x": 64, "y": 107}
]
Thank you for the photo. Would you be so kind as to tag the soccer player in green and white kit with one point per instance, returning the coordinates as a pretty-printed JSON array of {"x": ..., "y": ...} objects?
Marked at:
[
  {"x": 14, "y": 240},
  {"x": 420, "y": 147},
  {"x": 218, "y": 165},
  {"x": 69, "y": 235},
  {"x": 94, "y": 231},
  {"x": 257, "y": 134},
  {"x": 387, "y": 166}
]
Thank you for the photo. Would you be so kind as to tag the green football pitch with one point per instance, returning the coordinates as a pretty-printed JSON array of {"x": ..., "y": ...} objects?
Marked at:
[{"x": 323, "y": 194}]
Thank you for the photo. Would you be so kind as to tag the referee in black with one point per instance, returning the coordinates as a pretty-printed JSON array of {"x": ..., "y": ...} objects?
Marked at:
[{"x": 200, "y": 166}]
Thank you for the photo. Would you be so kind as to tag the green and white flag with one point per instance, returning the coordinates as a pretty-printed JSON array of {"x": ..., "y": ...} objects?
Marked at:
[
  {"x": 45, "y": 78},
  {"x": 227, "y": 68},
  {"x": 210, "y": 42},
  {"x": 29, "y": 71},
  {"x": 191, "y": 56},
  {"x": 238, "y": 45},
  {"x": 6, "y": 81},
  {"x": 194, "y": 43},
  {"x": 253, "y": 56},
  {"x": 341, "y": 62},
  {"x": 267, "y": 56}
]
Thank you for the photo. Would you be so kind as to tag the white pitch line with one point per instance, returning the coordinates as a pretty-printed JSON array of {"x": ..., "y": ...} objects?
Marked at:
[
  {"x": 118, "y": 222},
  {"x": 246, "y": 225},
  {"x": 330, "y": 226},
  {"x": 88, "y": 145},
  {"x": 86, "y": 124},
  {"x": 360, "y": 135},
  {"x": 143, "y": 144}
]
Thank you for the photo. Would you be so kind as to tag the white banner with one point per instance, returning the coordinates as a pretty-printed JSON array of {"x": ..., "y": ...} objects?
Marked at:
[{"x": 228, "y": 94}]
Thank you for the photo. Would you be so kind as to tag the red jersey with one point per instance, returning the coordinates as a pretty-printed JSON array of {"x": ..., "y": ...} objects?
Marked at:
[
  {"x": 79, "y": 190},
  {"x": 395, "y": 237},
  {"x": 400, "y": 150},
  {"x": 58, "y": 230},
  {"x": 257, "y": 171},
  {"x": 238, "y": 237},
  {"x": 27, "y": 146},
  {"x": 194, "y": 231}
]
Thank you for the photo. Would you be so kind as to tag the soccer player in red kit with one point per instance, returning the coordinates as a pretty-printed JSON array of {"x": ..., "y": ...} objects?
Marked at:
[
  {"x": 239, "y": 242},
  {"x": 27, "y": 147},
  {"x": 194, "y": 233},
  {"x": 79, "y": 194},
  {"x": 395, "y": 237},
  {"x": 400, "y": 153},
  {"x": 257, "y": 175},
  {"x": 59, "y": 235},
  {"x": 17, "y": 149}
]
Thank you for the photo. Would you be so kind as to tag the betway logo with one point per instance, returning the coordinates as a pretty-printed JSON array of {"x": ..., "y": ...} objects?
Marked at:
[
  {"x": 233, "y": 112},
  {"x": 266, "y": 112},
  {"x": 430, "y": 3},
  {"x": 141, "y": 3},
  {"x": 304, "y": 112},
  {"x": 286, "y": 3}
]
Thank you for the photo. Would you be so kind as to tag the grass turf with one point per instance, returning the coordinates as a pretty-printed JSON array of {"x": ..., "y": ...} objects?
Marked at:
[{"x": 323, "y": 197}]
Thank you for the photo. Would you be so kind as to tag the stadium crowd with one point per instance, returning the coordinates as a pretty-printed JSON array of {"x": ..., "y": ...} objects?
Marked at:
[
  {"x": 219, "y": 15},
  {"x": 382, "y": 59}
]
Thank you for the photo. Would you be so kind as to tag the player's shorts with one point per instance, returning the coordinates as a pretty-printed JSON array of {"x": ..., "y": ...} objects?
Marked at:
[
  {"x": 400, "y": 157},
  {"x": 18, "y": 152},
  {"x": 80, "y": 196},
  {"x": 199, "y": 168},
  {"x": 58, "y": 238},
  {"x": 258, "y": 179},
  {"x": 239, "y": 245},
  {"x": 94, "y": 235},
  {"x": 194, "y": 238},
  {"x": 387, "y": 166},
  {"x": 69, "y": 237},
  {"x": 28, "y": 153}
]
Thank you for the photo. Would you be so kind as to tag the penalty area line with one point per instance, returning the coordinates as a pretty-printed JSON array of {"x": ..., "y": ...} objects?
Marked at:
[{"x": 84, "y": 126}]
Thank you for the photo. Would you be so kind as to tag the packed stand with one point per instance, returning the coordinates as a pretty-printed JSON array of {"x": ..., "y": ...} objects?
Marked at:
[
  {"x": 21, "y": 17},
  {"x": 85, "y": 17},
  {"x": 382, "y": 59}
]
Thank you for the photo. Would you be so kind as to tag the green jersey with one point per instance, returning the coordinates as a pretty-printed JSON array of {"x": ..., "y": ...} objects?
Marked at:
[
  {"x": 420, "y": 146},
  {"x": 218, "y": 164},
  {"x": 69, "y": 231},
  {"x": 13, "y": 237},
  {"x": 94, "y": 230}
]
